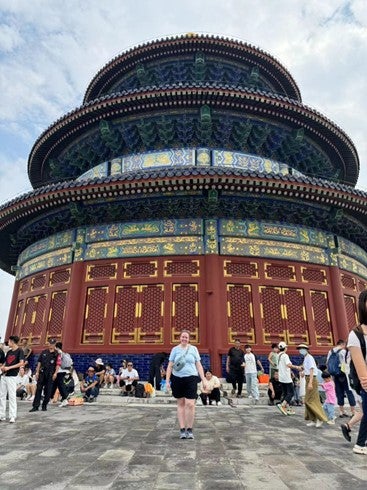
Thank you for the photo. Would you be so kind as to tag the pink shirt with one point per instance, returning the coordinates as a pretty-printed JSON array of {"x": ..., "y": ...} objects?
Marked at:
[{"x": 329, "y": 388}]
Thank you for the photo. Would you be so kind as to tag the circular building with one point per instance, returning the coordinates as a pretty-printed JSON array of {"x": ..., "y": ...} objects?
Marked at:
[{"x": 191, "y": 189}]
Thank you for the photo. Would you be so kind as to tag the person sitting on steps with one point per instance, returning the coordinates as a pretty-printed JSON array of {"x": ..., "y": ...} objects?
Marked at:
[{"x": 128, "y": 380}]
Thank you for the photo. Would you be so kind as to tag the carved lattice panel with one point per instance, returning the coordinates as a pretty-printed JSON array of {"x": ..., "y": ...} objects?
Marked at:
[
  {"x": 185, "y": 311},
  {"x": 150, "y": 329},
  {"x": 24, "y": 286},
  {"x": 321, "y": 317},
  {"x": 284, "y": 272},
  {"x": 56, "y": 314},
  {"x": 95, "y": 315},
  {"x": 181, "y": 268},
  {"x": 240, "y": 313},
  {"x": 140, "y": 269},
  {"x": 272, "y": 314},
  {"x": 348, "y": 282},
  {"x": 312, "y": 274},
  {"x": 34, "y": 318},
  {"x": 295, "y": 316},
  {"x": 126, "y": 313},
  {"x": 60, "y": 277},
  {"x": 17, "y": 326},
  {"x": 361, "y": 286},
  {"x": 101, "y": 271},
  {"x": 233, "y": 268},
  {"x": 351, "y": 311},
  {"x": 38, "y": 282}
]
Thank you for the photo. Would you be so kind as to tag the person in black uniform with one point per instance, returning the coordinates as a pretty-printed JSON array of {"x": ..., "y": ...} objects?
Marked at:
[
  {"x": 234, "y": 367},
  {"x": 155, "y": 375},
  {"x": 47, "y": 368}
]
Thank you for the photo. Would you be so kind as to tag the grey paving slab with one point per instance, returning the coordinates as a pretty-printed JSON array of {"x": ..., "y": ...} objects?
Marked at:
[{"x": 137, "y": 447}]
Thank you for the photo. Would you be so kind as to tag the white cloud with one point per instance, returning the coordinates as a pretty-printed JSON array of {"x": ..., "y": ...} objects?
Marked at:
[{"x": 49, "y": 51}]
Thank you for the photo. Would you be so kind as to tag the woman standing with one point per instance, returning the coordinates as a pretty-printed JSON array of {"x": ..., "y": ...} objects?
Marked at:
[
  {"x": 359, "y": 358},
  {"x": 183, "y": 369},
  {"x": 314, "y": 412}
]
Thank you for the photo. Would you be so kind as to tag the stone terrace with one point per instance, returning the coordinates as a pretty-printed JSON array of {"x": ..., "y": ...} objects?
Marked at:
[{"x": 136, "y": 446}]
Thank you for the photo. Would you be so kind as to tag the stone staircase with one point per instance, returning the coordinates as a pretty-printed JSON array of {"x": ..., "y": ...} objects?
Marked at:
[{"x": 111, "y": 396}]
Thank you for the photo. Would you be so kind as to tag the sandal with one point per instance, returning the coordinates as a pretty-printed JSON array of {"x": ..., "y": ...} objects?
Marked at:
[{"x": 346, "y": 432}]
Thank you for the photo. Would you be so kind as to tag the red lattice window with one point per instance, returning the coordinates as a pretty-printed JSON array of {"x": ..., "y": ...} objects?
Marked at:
[
  {"x": 57, "y": 314},
  {"x": 17, "y": 325},
  {"x": 140, "y": 269},
  {"x": 361, "y": 286},
  {"x": 295, "y": 316},
  {"x": 271, "y": 312},
  {"x": 240, "y": 269},
  {"x": 185, "y": 310},
  {"x": 101, "y": 271},
  {"x": 126, "y": 313},
  {"x": 280, "y": 272},
  {"x": 240, "y": 313},
  {"x": 351, "y": 311},
  {"x": 39, "y": 282},
  {"x": 34, "y": 318},
  {"x": 24, "y": 286},
  {"x": 151, "y": 314},
  {"x": 182, "y": 268},
  {"x": 311, "y": 274},
  {"x": 60, "y": 277},
  {"x": 95, "y": 315},
  {"x": 348, "y": 282},
  {"x": 321, "y": 315}
]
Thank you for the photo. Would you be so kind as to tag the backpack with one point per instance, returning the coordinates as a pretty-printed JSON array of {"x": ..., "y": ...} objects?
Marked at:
[
  {"x": 333, "y": 363},
  {"x": 354, "y": 382},
  {"x": 139, "y": 391},
  {"x": 66, "y": 361}
]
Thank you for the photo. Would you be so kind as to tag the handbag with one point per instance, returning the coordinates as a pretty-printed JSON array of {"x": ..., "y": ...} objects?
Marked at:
[{"x": 180, "y": 361}]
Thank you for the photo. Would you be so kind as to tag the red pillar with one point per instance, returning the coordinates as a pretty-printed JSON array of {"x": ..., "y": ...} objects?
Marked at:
[
  {"x": 341, "y": 321},
  {"x": 74, "y": 306},
  {"x": 216, "y": 310}
]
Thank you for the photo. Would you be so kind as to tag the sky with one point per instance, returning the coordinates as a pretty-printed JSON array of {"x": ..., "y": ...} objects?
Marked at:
[{"x": 51, "y": 49}]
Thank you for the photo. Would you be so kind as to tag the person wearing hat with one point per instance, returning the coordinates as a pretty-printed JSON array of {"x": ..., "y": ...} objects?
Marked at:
[
  {"x": 100, "y": 370},
  {"x": 285, "y": 378},
  {"x": 48, "y": 366},
  {"x": 314, "y": 413}
]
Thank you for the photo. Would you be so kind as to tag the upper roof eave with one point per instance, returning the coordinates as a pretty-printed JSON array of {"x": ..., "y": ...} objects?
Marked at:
[
  {"x": 221, "y": 97},
  {"x": 107, "y": 74}
]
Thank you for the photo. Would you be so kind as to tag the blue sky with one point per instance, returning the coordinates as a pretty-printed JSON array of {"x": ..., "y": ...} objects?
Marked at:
[{"x": 50, "y": 50}]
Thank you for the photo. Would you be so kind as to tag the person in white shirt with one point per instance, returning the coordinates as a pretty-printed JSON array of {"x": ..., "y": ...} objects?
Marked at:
[
  {"x": 357, "y": 343},
  {"x": 250, "y": 365},
  {"x": 314, "y": 413},
  {"x": 211, "y": 392},
  {"x": 129, "y": 379},
  {"x": 22, "y": 380},
  {"x": 285, "y": 378}
]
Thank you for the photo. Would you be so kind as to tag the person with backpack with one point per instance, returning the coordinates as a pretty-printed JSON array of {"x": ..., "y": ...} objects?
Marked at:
[
  {"x": 65, "y": 368},
  {"x": 335, "y": 362},
  {"x": 357, "y": 341}
]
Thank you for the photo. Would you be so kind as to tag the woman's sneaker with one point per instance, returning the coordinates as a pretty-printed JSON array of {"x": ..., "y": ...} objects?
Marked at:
[
  {"x": 189, "y": 434},
  {"x": 360, "y": 449},
  {"x": 182, "y": 434}
]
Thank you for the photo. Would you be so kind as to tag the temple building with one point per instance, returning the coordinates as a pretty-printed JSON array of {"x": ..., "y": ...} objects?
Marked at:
[{"x": 192, "y": 189}]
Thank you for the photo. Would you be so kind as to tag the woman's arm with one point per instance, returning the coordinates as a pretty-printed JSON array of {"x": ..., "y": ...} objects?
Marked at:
[
  {"x": 359, "y": 364},
  {"x": 168, "y": 373}
]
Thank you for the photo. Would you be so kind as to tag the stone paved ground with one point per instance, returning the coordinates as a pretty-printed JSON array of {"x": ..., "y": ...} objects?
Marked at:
[{"x": 137, "y": 447}]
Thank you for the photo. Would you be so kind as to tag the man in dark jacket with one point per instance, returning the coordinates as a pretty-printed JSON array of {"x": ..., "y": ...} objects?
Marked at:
[
  {"x": 155, "y": 376},
  {"x": 47, "y": 368}
]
